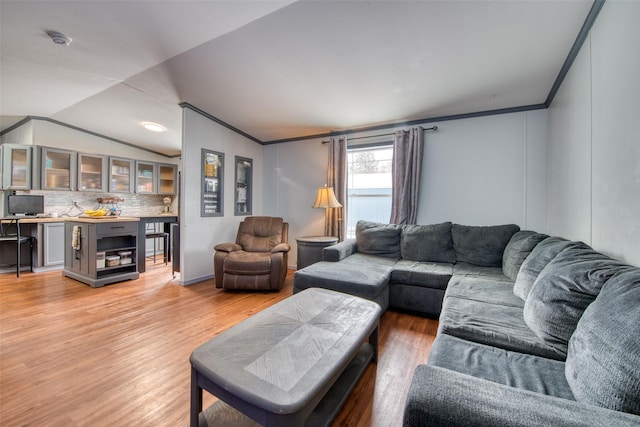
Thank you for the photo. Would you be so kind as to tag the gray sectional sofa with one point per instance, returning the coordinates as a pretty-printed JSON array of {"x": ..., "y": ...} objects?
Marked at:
[{"x": 534, "y": 330}]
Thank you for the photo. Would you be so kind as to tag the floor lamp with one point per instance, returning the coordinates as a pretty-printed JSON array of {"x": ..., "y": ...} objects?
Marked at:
[{"x": 326, "y": 199}]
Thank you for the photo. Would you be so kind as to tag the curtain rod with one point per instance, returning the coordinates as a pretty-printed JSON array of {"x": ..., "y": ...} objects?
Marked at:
[{"x": 382, "y": 134}]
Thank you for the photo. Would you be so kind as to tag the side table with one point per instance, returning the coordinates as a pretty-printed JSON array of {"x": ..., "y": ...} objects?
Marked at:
[{"x": 310, "y": 248}]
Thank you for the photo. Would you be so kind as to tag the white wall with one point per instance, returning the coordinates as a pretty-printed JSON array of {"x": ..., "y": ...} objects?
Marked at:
[
  {"x": 198, "y": 235},
  {"x": 293, "y": 172},
  {"x": 594, "y": 143},
  {"x": 569, "y": 155},
  {"x": 485, "y": 171},
  {"x": 477, "y": 171},
  {"x": 49, "y": 134},
  {"x": 20, "y": 135}
]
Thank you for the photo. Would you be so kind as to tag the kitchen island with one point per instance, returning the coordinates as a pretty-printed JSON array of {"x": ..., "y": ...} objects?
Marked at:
[{"x": 101, "y": 250}]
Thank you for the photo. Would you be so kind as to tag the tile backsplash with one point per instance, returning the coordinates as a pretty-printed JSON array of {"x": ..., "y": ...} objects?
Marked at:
[{"x": 61, "y": 202}]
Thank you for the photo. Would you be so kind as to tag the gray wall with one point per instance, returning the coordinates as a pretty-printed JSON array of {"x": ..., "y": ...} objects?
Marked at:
[{"x": 593, "y": 191}]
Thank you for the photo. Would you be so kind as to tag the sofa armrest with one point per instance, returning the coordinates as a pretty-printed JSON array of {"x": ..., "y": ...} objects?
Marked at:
[
  {"x": 281, "y": 247},
  {"x": 440, "y": 396},
  {"x": 227, "y": 247},
  {"x": 339, "y": 251}
]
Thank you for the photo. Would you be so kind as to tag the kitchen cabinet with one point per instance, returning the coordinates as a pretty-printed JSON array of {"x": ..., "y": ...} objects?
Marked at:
[
  {"x": 121, "y": 175},
  {"x": 53, "y": 244},
  {"x": 16, "y": 167},
  {"x": 26, "y": 167},
  {"x": 92, "y": 172},
  {"x": 58, "y": 169},
  {"x": 145, "y": 177},
  {"x": 97, "y": 242},
  {"x": 167, "y": 181}
]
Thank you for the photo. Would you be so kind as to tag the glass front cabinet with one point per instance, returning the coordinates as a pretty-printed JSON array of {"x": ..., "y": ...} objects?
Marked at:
[
  {"x": 58, "y": 169},
  {"x": 92, "y": 172},
  {"x": 243, "y": 184},
  {"x": 120, "y": 175},
  {"x": 167, "y": 181},
  {"x": 145, "y": 177},
  {"x": 16, "y": 167},
  {"x": 212, "y": 183}
]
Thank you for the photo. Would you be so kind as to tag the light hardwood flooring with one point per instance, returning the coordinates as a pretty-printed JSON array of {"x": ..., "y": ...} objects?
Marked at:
[{"x": 72, "y": 355}]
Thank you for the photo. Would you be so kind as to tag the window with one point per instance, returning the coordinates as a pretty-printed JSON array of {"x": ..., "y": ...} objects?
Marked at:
[{"x": 368, "y": 185}]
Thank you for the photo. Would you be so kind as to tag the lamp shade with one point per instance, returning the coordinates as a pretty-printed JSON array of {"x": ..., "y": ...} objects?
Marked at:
[{"x": 326, "y": 198}]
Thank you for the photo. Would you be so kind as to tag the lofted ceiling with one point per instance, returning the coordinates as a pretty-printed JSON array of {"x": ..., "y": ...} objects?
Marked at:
[{"x": 276, "y": 69}]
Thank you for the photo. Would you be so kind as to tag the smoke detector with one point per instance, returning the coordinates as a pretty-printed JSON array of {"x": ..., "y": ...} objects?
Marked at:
[{"x": 59, "y": 38}]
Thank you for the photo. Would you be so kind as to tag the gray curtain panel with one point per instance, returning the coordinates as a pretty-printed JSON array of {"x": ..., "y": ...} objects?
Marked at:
[
  {"x": 335, "y": 220},
  {"x": 408, "y": 147}
]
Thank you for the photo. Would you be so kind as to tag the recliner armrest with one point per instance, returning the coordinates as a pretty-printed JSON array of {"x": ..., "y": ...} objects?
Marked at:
[
  {"x": 227, "y": 247},
  {"x": 440, "y": 396},
  {"x": 339, "y": 251},
  {"x": 281, "y": 247}
]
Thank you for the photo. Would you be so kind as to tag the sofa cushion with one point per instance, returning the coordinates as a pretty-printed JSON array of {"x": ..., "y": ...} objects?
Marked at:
[
  {"x": 518, "y": 249},
  {"x": 603, "y": 360},
  {"x": 373, "y": 238},
  {"x": 416, "y": 299},
  {"x": 362, "y": 275},
  {"x": 540, "y": 256},
  {"x": 518, "y": 370},
  {"x": 424, "y": 274},
  {"x": 429, "y": 243},
  {"x": 492, "y": 324},
  {"x": 481, "y": 245},
  {"x": 564, "y": 289},
  {"x": 470, "y": 270},
  {"x": 483, "y": 289}
]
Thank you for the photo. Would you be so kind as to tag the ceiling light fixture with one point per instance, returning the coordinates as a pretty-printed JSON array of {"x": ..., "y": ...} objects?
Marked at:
[
  {"x": 59, "y": 38},
  {"x": 153, "y": 127}
]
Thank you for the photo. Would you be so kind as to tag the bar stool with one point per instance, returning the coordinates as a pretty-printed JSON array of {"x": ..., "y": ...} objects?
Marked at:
[
  {"x": 152, "y": 234},
  {"x": 14, "y": 237}
]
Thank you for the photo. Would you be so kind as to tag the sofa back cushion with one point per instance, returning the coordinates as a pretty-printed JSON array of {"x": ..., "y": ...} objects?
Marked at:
[
  {"x": 373, "y": 238},
  {"x": 564, "y": 289},
  {"x": 482, "y": 246},
  {"x": 603, "y": 359},
  {"x": 517, "y": 250},
  {"x": 427, "y": 243},
  {"x": 540, "y": 256}
]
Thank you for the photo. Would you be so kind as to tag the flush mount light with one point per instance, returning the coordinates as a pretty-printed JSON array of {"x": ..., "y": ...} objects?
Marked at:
[
  {"x": 153, "y": 127},
  {"x": 59, "y": 38}
]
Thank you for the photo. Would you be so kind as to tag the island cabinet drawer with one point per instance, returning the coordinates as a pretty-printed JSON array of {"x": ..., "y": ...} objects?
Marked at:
[{"x": 115, "y": 228}]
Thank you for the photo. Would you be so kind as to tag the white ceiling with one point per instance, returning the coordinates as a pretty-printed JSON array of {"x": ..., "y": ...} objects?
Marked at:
[{"x": 276, "y": 69}]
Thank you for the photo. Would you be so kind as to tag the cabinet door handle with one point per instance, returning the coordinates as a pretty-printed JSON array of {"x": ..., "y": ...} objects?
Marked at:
[{"x": 117, "y": 226}]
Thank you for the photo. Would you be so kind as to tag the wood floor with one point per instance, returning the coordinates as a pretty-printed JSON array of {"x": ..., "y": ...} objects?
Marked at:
[{"x": 72, "y": 355}]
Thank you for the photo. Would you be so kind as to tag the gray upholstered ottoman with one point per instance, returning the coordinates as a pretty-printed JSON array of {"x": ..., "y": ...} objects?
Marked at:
[{"x": 294, "y": 363}]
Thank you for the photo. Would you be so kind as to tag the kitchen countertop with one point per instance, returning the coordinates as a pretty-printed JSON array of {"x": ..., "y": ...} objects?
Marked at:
[
  {"x": 47, "y": 219},
  {"x": 99, "y": 219},
  {"x": 32, "y": 220}
]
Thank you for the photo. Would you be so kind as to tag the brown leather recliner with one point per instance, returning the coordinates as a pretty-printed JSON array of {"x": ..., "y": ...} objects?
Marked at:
[{"x": 258, "y": 258}]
